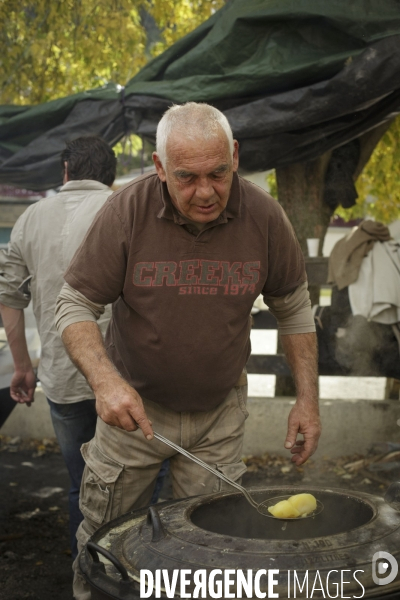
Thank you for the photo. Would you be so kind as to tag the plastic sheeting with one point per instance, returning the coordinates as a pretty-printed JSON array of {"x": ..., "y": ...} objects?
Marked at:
[
  {"x": 295, "y": 78},
  {"x": 32, "y": 139}
]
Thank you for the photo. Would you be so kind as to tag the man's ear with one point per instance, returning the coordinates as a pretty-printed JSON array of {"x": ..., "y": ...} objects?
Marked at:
[
  {"x": 159, "y": 167},
  {"x": 235, "y": 155},
  {"x": 65, "y": 178}
]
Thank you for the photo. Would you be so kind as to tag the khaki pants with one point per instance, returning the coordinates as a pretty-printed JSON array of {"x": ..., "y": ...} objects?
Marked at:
[{"x": 121, "y": 467}]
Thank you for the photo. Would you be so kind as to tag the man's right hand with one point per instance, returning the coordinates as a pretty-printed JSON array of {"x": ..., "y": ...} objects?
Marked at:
[
  {"x": 22, "y": 387},
  {"x": 119, "y": 405}
]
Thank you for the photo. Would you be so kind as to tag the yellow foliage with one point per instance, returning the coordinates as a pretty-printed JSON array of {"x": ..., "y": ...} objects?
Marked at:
[
  {"x": 273, "y": 186},
  {"x": 52, "y": 49},
  {"x": 378, "y": 186},
  {"x": 176, "y": 19}
]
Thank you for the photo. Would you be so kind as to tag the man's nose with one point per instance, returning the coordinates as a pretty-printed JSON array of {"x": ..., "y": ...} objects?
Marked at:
[{"x": 204, "y": 189}]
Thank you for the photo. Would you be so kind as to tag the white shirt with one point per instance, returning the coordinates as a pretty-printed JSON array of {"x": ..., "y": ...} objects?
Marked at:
[
  {"x": 376, "y": 293},
  {"x": 43, "y": 242}
]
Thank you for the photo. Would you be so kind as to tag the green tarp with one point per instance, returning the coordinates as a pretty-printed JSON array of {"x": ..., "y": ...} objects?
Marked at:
[
  {"x": 259, "y": 47},
  {"x": 294, "y": 78}
]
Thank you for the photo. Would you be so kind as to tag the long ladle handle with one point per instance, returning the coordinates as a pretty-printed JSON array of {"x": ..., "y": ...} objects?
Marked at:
[{"x": 206, "y": 466}]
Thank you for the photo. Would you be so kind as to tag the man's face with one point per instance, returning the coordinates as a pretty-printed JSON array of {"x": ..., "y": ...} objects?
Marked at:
[{"x": 199, "y": 175}]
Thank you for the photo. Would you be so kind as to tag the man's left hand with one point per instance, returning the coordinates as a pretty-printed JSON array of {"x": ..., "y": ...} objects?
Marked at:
[
  {"x": 304, "y": 419},
  {"x": 22, "y": 387}
]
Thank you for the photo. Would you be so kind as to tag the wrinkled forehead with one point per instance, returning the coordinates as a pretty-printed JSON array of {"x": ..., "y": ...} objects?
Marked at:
[{"x": 194, "y": 143}]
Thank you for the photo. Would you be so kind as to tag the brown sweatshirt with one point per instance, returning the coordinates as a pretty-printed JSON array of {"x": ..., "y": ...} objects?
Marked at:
[{"x": 182, "y": 298}]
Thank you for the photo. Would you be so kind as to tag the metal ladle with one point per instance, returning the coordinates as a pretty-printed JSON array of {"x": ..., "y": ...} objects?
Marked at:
[{"x": 261, "y": 507}]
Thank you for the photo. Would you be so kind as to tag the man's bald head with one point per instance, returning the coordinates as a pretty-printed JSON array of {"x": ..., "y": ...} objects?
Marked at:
[{"x": 192, "y": 121}]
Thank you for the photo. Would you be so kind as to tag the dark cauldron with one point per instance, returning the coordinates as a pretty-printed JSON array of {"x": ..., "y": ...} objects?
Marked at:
[{"x": 222, "y": 531}]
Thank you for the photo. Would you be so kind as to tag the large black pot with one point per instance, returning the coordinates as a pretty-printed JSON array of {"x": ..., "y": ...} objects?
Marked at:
[{"x": 222, "y": 531}]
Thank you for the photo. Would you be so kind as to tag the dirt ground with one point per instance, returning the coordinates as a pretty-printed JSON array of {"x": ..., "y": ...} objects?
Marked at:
[{"x": 35, "y": 561}]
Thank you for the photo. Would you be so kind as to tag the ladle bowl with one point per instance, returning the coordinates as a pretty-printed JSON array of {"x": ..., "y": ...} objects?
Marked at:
[{"x": 264, "y": 506}]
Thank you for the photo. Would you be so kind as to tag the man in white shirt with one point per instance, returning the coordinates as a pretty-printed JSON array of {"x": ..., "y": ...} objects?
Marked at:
[{"x": 43, "y": 242}]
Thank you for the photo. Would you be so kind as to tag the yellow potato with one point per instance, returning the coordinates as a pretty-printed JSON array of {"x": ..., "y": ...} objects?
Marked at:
[
  {"x": 299, "y": 505},
  {"x": 303, "y": 503},
  {"x": 284, "y": 510}
]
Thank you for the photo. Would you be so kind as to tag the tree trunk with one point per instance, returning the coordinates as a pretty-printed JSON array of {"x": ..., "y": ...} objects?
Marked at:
[{"x": 300, "y": 193}]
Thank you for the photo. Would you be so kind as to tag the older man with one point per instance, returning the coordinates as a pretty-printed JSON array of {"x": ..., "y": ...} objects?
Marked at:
[{"x": 182, "y": 254}]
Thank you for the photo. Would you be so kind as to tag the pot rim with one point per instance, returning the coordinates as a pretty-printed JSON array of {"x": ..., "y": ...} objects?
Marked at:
[{"x": 172, "y": 519}]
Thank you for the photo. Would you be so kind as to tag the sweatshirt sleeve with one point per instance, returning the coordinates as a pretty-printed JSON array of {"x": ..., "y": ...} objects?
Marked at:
[
  {"x": 74, "y": 307},
  {"x": 98, "y": 268},
  {"x": 292, "y": 311}
]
